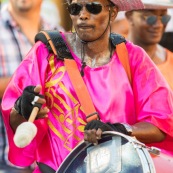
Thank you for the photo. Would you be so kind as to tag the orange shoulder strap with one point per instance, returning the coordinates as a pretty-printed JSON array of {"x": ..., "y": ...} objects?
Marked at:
[
  {"x": 81, "y": 89},
  {"x": 123, "y": 56}
]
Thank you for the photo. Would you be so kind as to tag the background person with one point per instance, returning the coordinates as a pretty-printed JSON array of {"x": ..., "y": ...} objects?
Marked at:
[
  {"x": 146, "y": 30},
  {"x": 61, "y": 122},
  {"x": 19, "y": 22}
]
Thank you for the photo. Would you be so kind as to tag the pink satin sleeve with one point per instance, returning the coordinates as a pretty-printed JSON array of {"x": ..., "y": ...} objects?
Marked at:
[
  {"x": 153, "y": 96},
  {"x": 22, "y": 78}
]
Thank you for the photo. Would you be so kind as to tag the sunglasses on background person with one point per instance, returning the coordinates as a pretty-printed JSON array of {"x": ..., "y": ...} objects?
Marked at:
[
  {"x": 93, "y": 8},
  {"x": 151, "y": 20}
]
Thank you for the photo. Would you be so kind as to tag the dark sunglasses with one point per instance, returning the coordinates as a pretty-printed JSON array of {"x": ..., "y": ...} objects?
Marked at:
[
  {"x": 93, "y": 8},
  {"x": 151, "y": 20}
]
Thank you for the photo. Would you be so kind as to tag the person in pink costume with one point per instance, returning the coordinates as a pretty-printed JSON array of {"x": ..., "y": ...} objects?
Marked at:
[{"x": 145, "y": 104}]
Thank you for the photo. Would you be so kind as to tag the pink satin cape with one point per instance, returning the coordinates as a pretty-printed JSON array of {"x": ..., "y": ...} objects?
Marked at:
[{"x": 148, "y": 99}]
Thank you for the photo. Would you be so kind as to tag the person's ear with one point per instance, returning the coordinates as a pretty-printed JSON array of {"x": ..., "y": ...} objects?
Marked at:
[{"x": 113, "y": 13}]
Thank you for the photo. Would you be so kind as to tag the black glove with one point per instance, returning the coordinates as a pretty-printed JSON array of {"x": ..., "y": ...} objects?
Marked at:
[
  {"x": 95, "y": 124},
  {"x": 23, "y": 104}
]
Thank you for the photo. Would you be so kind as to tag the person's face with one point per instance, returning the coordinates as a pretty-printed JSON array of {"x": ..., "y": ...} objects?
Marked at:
[
  {"x": 25, "y": 5},
  {"x": 91, "y": 26},
  {"x": 144, "y": 32}
]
